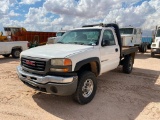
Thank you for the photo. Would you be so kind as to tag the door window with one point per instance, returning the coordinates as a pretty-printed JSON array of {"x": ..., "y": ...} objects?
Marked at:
[{"x": 109, "y": 37}]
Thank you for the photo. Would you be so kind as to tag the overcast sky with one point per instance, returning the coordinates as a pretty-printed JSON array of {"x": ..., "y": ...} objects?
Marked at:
[{"x": 52, "y": 15}]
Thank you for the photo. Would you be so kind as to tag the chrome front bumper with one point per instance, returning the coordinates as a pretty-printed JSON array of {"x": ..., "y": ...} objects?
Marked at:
[
  {"x": 155, "y": 50},
  {"x": 50, "y": 84}
]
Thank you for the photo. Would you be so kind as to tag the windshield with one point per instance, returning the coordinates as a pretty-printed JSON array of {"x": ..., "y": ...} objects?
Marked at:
[
  {"x": 59, "y": 33},
  {"x": 12, "y": 31},
  {"x": 126, "y": 30},
  {"x": 158, "y": 33},
  {"x": 82, "y": 37}
]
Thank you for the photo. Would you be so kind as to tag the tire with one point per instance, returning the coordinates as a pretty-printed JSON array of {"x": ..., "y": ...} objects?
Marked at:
[
  {"x": 152, "y": 54},
  {"x": 128, "y": 64},
  {"x": 149, "y": 46},
  {"x": 145, "y": 48},
  {"x": 16, "y": 53},
  {"x": 82, "y": 94},
  {"x": 6, "y": 55},
  {"x": 142, "y": 48}
]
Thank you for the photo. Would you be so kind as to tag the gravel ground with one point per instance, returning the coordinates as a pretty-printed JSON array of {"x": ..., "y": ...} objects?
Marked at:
[{"x": 119, "y": 96}]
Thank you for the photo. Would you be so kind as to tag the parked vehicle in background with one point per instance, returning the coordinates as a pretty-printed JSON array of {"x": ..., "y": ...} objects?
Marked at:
[
  {"x": 70, "y": 66},
  {"x": 52, "y": 40},
  {"x": 155, "y": 47},
  {"x": 132, "y": 36},
  {"x": 148, "y": 40},
  {"x": 35, "y": 38},
  {"x": 13, "y": 48}
]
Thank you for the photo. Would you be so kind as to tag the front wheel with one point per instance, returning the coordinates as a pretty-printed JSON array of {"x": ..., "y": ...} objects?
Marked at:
[{"x": 86, "y": 88}]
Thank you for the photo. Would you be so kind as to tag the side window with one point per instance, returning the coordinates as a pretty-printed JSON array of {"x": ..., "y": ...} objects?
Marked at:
[{"x": 109, "y": 37}]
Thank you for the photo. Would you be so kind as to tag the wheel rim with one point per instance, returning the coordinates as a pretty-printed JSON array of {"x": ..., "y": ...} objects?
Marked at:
[
  {"x": 87, "y": 88},
  {"x": 17, "y": 53}
]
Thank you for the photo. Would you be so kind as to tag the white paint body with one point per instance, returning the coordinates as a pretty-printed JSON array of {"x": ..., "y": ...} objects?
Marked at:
[
  {"x": 132, "y": 39},
  {"x": 109, "y": 58},
  {"x": 6, "y": 47},
  {"x": 156, "y": 43}
]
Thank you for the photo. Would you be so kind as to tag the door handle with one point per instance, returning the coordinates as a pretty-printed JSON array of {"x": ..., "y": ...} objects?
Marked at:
[{"x": 116, "y": 49}]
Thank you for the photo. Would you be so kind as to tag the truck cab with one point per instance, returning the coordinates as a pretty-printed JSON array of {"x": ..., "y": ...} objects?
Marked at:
[
  {"x": 155, "y": 46},
  {"x": 70, "y": 66},
  {"x": 132, "y": 36}
]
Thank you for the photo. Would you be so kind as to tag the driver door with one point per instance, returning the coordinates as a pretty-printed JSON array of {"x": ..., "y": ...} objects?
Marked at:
[{"x": 109, "y": 50}]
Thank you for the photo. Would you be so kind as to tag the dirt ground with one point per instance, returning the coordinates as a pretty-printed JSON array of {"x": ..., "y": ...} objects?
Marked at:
[{"x": 119, "y": 96}]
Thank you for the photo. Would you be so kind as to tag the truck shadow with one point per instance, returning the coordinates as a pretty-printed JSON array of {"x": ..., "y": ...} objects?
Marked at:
[
  {"x": 119, "y": 97},
  {"x": 8, "y": 59}
]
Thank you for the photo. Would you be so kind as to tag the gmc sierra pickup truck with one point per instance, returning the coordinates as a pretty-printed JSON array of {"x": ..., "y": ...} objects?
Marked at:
[{"x": 70, "y": 66}]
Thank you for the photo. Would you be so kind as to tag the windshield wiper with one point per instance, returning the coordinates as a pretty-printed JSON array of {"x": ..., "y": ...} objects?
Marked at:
[
  {"x": 61, "y": 42},
  {"x": 80, "y": 43}
]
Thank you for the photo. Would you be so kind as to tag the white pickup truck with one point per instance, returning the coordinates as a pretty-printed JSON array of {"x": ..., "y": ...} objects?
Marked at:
[
  {"x": 70, "y": 66},
  {"x": 13, "y": 48}
]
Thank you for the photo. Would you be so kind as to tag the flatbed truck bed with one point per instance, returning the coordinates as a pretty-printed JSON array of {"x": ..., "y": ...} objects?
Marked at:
[{"x": 128, "y": 50}]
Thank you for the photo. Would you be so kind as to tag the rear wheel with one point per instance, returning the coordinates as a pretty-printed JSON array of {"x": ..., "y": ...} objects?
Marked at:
[
  {"x": 86, "y": 88},
  {"x": 16, "y": 53},
  {"x": 6, "y": 55},
  {"x": 128, "y": 64},
  {"x": 140, "y": 49},
  {"x": 152, "y": 54},
  {"x": 143, "y": 48}
]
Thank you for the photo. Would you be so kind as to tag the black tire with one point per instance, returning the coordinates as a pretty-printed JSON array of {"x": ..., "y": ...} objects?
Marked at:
[
  {"x": 145, "y": 48},
  {"x": 152, "y": 54},
  {"x": 142, "y": 48},
  {"x": 84, "y": 95},
  {"x": 128, "y": 64},
  {"x": 149, "y": 46},
  {"x": 6, "y": 55},
  {"x": 16, "y": 53}
]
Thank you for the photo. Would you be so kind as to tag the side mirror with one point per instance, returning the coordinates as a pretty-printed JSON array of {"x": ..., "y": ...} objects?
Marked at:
[{"x": 105, "y": 42}]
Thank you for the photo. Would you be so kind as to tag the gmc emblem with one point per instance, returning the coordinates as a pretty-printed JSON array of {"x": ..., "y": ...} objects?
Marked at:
[{"x": 32, "y": 63}]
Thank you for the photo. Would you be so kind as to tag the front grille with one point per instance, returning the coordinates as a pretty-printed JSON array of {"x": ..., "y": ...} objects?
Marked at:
[{"x": 33, "y": 64}]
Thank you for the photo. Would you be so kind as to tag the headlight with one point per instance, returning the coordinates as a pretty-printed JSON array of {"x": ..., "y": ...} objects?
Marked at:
[
  {"x": 61, "y": 62},
  {"x": 61, "y": 65}
]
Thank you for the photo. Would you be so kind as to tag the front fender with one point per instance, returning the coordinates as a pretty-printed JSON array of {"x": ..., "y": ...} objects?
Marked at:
[{"x": 86, "y": 61}]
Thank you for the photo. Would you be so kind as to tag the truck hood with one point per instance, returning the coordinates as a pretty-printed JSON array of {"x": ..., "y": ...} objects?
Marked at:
[{"x": 55, "y": 50}]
